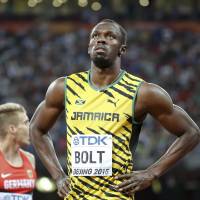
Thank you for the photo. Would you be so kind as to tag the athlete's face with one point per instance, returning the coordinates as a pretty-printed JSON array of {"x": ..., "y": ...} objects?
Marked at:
[
  {"x": 105, "y": 44},
  {"x": 22, "y": 130}
]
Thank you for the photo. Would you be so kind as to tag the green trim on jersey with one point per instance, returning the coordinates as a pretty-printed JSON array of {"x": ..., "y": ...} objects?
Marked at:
[
  {"x": 134, "y": 102},
  {"x": 104, "y": 88}
]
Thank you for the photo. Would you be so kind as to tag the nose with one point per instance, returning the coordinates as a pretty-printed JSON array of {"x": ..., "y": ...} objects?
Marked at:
[{"x": 101, "y": 40}]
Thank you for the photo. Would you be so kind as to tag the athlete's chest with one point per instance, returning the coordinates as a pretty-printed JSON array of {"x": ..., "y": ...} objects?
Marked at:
[
  {"x": 12, "y": 178},
  {"x": 9, "y": 173},
  {"x": 91, "y": 105}
]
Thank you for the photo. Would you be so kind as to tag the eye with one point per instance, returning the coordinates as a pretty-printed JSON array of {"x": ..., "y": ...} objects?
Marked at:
[
  {"x": 95, "y": 36},
  {"x": 111, "y": 37}
]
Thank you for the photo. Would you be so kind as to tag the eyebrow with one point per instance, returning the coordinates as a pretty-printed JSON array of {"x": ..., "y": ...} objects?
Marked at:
[{"x": 107, "y": 32}]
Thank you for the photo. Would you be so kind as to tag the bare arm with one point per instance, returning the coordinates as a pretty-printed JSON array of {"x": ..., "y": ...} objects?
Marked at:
[
  {"x": 177, "y": 122},
  {"x": 155, "y": 101},
  {"x": 43, "y": 119}
]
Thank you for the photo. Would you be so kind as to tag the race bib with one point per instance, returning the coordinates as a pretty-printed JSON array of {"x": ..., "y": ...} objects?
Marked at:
[
  {"x": 14, "y": 196},
  {"x": 91, "y": 155}
]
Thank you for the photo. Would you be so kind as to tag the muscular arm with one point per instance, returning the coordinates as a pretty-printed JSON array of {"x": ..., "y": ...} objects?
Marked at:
[
  {"x": 43, "y": 119},
  {"x": 157, "y": 102}
]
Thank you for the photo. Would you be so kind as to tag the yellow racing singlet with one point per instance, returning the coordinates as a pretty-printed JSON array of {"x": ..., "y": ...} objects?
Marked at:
[{"x": 100, "y": 130}]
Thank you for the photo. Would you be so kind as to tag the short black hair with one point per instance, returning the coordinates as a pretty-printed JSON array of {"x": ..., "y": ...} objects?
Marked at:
[{"x": 122, "y": 30}]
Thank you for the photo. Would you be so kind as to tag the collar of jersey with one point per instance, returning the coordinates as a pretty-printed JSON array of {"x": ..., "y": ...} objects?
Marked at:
[{"x": 119, "y": 77}]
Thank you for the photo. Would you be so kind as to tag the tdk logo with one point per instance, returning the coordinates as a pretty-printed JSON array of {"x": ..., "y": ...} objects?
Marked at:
[{"x": 89, "y": 140}]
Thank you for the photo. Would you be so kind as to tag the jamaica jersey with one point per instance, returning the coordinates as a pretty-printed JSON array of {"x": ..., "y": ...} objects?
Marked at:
[{"x": 100, "y": 130}]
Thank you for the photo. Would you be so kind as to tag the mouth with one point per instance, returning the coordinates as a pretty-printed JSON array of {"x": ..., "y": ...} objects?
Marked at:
[{"x": 100, "y": 49}]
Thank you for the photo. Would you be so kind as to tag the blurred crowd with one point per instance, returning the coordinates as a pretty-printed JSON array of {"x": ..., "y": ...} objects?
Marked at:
[{"x": 30, "y": 60}]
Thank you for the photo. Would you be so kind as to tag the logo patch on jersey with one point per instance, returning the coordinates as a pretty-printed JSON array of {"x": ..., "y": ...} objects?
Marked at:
[
  {"x": 113, "y": 102},
  {"x": 79, "y": 101},
  {"x": 29, "y": 173},
  {"x": 5, "y": 175}
]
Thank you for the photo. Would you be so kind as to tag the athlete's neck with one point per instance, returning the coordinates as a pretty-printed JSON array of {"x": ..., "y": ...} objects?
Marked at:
[
  {"x": 103, "y": 77},
  {"x": 11, "y": 153}
]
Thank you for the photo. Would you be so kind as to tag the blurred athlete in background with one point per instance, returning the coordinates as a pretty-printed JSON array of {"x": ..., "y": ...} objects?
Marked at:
[
  {"x": 17, "y": 167},
  {"x": 105, "y": 108}
]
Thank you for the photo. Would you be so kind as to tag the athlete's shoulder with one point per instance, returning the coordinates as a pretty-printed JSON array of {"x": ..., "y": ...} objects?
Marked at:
[
  {"x": 57, "y": 84},
  {"x": 153, "y": 96},
  {"x": 152, "y": 90},
  {"x": 56, "y": 88},
  {"x": 55, "y": 93},
  {"x": 30, "y": 157}
]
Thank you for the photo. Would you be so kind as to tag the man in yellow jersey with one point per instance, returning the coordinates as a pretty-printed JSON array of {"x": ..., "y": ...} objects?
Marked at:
[{"x": 105, "y": 108}]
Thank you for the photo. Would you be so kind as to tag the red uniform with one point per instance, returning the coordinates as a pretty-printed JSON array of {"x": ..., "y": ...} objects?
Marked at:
[{"x": 17, "y": 179}]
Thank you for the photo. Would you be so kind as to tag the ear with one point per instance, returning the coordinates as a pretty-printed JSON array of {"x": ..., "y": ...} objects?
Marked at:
[
  {"x": 122, "y": 50},
  {"x": 12, "y": 129}
]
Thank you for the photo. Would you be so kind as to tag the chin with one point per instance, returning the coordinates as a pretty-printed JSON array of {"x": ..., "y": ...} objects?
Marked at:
[{"x": 102, "y": 62}]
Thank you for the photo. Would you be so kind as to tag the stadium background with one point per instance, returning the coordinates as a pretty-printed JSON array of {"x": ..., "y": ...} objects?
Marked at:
[{"x": 41, "y": 40}]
